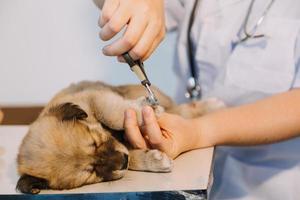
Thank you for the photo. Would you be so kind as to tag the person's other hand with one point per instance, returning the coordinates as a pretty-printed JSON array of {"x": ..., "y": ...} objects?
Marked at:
[
  {"x": 169, "y": 133},
  {"x": 145, "y": 27}
]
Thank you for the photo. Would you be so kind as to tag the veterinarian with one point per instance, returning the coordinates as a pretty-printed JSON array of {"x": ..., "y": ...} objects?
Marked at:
[{"x": 243, "y": 52}]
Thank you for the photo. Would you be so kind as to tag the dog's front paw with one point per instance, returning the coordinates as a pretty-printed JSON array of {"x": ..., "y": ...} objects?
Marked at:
[
  {"x": 142, "y": 101},
  {"x": 158, "y": 161},
  {"x": 150, "y": 160}
]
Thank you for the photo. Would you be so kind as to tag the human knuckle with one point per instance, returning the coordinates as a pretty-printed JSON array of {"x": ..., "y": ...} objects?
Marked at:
[
  {"x": 105, "y": 16},
  {"x": 144, "y": 8},
  {"x": 113, "y": 27},
  {"x": 139, "y": 145},
  {"x": 138, "y": 53},
  {"x": 156, "y": 142},
  {"x": 129, "y": 40}
]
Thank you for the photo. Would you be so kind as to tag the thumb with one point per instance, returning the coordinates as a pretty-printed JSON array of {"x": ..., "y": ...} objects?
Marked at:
[{"x": 151, "y": 128}]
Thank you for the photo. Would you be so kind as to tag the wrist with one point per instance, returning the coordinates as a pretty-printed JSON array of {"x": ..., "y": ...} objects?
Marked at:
[
  {"x": 205, "y": 132},
  {"x": 197, "y": 135},
  {"x": 188, "y": 137}
]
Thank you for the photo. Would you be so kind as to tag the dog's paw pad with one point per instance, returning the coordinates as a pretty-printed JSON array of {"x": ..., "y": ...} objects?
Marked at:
[{"x": 158, "y": 161}]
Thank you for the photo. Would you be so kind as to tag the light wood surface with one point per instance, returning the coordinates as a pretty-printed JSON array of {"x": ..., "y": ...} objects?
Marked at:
[
  {"x": 191, "y": 171},
  {"x": 20, "y": 115},
  {"x": 1, "y": 116}
]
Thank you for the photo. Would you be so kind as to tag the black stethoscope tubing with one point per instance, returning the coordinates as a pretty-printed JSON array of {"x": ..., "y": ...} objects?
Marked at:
[
  {"x": 190, "y": 43},
  {"x": 193, "y": 87}
]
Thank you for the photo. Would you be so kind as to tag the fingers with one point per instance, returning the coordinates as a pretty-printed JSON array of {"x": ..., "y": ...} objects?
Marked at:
[
  {"x": 108, "y": 9},
  {"x": 152, "y": 134},
  {"x": 145, "y": 27},
  {"x": 145, "y": 42},
  {"x": 134, "y": 31},
  {"x": 151, "y": 128},
  {"x": 152, "y": 48},
  {"x": 115, "y": 24},
  {"x": 121, "y": 59},
  {"x": 132, "y": 130},
  {"x": 157, "y": 137},
  {"x": 154, "y": 45}
]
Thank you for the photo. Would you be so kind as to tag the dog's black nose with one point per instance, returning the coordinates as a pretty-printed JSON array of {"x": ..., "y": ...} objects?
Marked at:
[{"x": 125, "y": 161}]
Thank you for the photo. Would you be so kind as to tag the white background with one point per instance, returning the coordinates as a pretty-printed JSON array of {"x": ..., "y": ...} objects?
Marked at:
[{"x": 46, "y": 45}]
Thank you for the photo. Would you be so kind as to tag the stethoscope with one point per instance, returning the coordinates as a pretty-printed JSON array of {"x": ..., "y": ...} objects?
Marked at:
[{"x": 193, "y": 89}]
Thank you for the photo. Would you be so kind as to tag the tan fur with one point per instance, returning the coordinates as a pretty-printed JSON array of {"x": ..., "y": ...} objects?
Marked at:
[{"x": 72, "y": 144}]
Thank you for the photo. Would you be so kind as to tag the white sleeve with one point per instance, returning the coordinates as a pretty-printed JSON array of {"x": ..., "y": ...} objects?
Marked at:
[
  {"x": 174, "y": 12},
  {"x": 297, "y": 62}
]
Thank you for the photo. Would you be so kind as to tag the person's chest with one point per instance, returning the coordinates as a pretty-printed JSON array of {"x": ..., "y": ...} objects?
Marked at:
[{"x": 265, "y": 64}]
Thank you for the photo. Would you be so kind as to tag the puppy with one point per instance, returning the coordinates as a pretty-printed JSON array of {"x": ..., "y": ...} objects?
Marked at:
[{"x": 77, "y": 138}]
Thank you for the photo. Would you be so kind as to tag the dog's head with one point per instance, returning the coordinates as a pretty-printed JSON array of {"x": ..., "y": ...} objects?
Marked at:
[{"x": 61, "y": 151}]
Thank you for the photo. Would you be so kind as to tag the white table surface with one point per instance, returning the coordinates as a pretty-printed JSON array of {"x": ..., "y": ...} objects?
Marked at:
[{"x": 191, "y": 171}]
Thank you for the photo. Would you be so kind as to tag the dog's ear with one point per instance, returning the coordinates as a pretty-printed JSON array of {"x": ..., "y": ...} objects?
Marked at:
[
  {"x": 68, "y": 111},
  {"x": 31, "y": 185}
]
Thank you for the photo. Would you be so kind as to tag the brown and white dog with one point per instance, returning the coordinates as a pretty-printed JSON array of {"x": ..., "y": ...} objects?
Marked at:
[{"x": 76, "y": 139}]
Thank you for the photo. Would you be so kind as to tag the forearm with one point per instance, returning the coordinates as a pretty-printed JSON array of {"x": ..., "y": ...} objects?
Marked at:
[{"x": 266, "y": 121}]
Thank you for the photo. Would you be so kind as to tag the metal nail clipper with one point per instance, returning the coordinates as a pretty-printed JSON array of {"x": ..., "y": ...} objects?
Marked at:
[{"x": 138, "y": 68}]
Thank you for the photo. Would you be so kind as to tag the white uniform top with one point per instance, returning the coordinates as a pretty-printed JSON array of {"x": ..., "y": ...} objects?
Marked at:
[{"x": 239, "y": 74}]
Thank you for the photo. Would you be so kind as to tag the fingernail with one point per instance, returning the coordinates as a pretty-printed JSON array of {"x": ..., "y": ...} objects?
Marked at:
[
  {"x": 101, "y": 23},
  {"x": 101, "y": 35},
  {"x": 121, "y": 59},
  {"x": 147, "y": 111},
  {"x": 104, "y": 51}
]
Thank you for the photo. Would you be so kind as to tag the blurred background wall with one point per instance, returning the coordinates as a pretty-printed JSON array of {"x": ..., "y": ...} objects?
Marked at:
[{"x": 46, "y": 45}]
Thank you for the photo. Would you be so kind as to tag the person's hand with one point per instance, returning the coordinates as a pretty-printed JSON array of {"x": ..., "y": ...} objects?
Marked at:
[
  {"x": 145, "y": 27},
  {"x": 169, "y": 133}
]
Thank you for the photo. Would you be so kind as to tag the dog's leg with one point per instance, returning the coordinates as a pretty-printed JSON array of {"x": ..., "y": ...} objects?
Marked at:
[
  {"x": 149, "y": 160},
  {"x": 109, "y": 108},
  {"x": 197, "y": 108}
]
